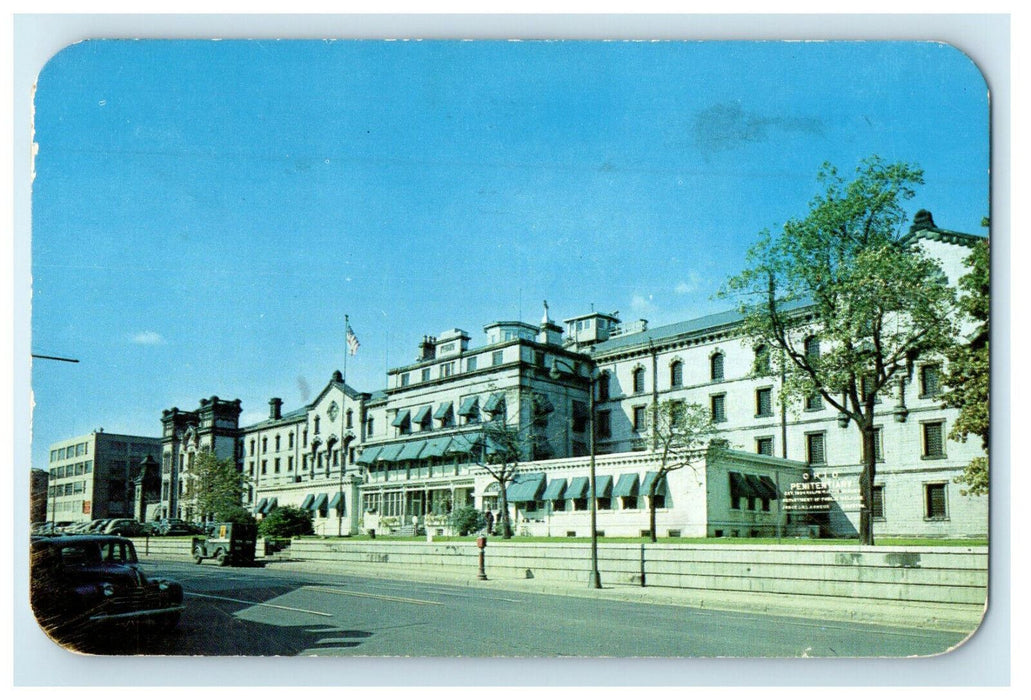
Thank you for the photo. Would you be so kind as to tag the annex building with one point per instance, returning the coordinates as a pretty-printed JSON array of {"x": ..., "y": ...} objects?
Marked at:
[{"x": 403, "y": 457}]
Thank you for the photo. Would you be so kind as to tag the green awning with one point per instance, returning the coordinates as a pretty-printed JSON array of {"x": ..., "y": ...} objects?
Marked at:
[
  {"x": 320, "y": 502},
  {"x": 625, "y": 486},
  {"x": 556, "y": 487},
  {"x": 495, "y": 403},
  {"x": 369, "y": 455},
  {"x": 604, "y": 484},
  {"x": 756, "y": 485},
  {"x": 390, "y": 453},
  {"x": 411, "y": 450},
  {"x": 442, "y": 410},
  {"x": 337, "y": 501},
  {"x": 464, "y": 444},
  {"x": 260, "y": 508},
  {"x": 270, "y": 506},
  {"x": 422, "y": 414},
  {"x": 740, "y": 488},
  {"x": 436, "y": 447},
  {"x": 306, "y": 504},
  {"x": 525, "y": 487},
  {"x": 401, "y": 419},
  {"x": 660, "y": 487},
  {"x": 578, "y": 487},
  {"x": 469, "y": 405},
  {"x": 770, "y": 486}
]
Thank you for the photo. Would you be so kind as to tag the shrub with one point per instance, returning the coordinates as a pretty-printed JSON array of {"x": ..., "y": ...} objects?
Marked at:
[
  {"x": 286, "y": 521},
  {"x": 467, "y": 519},
  {"x": 235, "y": 514}
]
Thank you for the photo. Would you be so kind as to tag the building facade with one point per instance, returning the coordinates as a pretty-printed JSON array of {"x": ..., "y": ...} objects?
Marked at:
[
  {"x": 405, "y": 457},
  {"x": 92, "y": 476}
]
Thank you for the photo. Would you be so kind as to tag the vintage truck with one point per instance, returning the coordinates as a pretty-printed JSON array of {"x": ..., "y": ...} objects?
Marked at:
[{"x": 229, "y": 544}]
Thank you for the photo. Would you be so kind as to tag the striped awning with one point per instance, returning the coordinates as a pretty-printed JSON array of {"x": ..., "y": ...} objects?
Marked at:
[
  {"x": 625, "y": 486},
  {"x": 337, "y": 501},
  {"x": 411, "y": 450},
  {"x": 260, "y": 508},
  {"x": 525, "y": 487},
  {"x": 369, "y": 455},
  {"x": 649, "y": 479},
  {"x": 604, "y": 483},
  {"x": 495, "y": 403},
  {"x": 401, "y": 419},
  {"x": 390, "y": 453},
  {"x": 306, "y": 504},
  {"x": 422, "y": 414},
  {"x": 469, "y": 405},
  {"x": 320, "y": 502},
  {"x": 436, "y": 447},
  {"x": 272, "y": 504},
  {"x": 442, "y": 410},
  {"x": 741, "y": 488},
  {"x": 577, "y": 487},
  {"x": 555, "y": 490}
]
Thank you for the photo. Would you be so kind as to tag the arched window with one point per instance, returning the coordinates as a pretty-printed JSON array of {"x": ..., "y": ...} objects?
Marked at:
[
  {"x": 639, "y": 380},
  {"x": 676, "y": 373},
  {"x": 716, "y": 367}
]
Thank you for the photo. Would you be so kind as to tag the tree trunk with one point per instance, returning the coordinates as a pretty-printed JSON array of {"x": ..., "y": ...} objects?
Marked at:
[
  {"x": 651, "y": 509},
  {"x": 506, "y": 525},
  {"x": 866, "y": 479}
]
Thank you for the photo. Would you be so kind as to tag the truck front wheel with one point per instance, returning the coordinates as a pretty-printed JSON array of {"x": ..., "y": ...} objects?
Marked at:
[{"x": 198, "y": 554}]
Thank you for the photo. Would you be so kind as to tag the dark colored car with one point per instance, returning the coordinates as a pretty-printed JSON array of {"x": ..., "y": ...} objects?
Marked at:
[
  {"x": 126, "y": 527},
  {"x": 174, "y": 526},
  {"x": 228, "y": 544},
  {"x": 83, "y": 582}
]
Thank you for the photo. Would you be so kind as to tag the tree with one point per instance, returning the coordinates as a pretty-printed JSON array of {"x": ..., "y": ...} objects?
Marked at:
[
  {"x": 681, "y": 432},
  {"x": 846, "y": 301},
  {"x": 286, "y": 521},
  {"x": 967, "y": 378},
  {"x": 214, "y": 485}
]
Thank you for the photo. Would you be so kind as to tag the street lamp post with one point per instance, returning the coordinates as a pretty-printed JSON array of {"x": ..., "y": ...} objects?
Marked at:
[{"x": 594, "y": 577}]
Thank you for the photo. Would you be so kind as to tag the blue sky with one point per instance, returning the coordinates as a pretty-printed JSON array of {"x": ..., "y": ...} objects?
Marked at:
[{"x": 206, "y": 213}]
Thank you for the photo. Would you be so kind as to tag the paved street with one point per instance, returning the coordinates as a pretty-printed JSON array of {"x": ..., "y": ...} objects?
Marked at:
[{"x": 257, "y": 611}]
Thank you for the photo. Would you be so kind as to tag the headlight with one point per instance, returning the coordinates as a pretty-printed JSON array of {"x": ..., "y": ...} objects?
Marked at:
[
  {"x": 163, "y": 586},
  {"x": 107, "y": 589}
]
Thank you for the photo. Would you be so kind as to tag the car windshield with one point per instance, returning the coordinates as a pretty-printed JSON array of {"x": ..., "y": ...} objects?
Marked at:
[{"x": 86, "y": 553}]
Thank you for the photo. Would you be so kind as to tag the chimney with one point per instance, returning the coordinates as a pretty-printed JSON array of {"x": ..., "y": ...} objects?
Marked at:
[
  {"x": 275, "y": 408},
  {"x": 427, "y": 348}
]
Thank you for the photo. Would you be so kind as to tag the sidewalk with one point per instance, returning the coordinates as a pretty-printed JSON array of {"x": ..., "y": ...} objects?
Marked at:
[{"x": 896, "y": 614}]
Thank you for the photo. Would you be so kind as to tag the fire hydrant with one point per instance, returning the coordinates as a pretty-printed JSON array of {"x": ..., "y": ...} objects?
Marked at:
[{"x": 481, "y": 542}]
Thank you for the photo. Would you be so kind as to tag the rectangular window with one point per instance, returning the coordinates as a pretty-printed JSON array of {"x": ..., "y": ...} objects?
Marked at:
[
  {"x": 764, "y": 446},
  {"x": 289, "y": 464},
  {"x": 639, "y": 381},
  {"x": 640, "y": 418},
  {"x": 814, "y": 448},
  {"x": 604, "y": 424},
  {"x": 878, "y": 446},
  {"x": 718, "y": 408},
  {"x": 447, "y": 369},
  {"x": 813, "y": 402},
  {"x": 405, "y": 379},
  {"x": 764, "y": 403},
  {"x": 426, "y": 374},
  {"x": 276, "y": 465},
  {"x": 877, "y": 507},
  {"x": 497, "y": 357},
  {"x": 470, "y": 364},
  {"x": 930, "y": 381},
  {"x": 934, "y": 440},
  {"x": 935, "y": 506}
]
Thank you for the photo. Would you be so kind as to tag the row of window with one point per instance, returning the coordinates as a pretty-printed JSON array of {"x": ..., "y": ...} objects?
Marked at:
[
  {"x": 77, "y": 450},
  {"x": 448, "y": 369},
  {"x": 77, "y": 469},
  {"x": 929, "y": 376},
  {"x": 67, "y": 489},
  {"x": 935, "y": 502},
  {"x": 932, "y": 445}
]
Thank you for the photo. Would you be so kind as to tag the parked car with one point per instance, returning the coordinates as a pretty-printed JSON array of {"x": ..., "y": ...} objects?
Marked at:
[
  {"x": 82, "y": 582},
  {"x": 174, "y": 526},
  {"x": 51, "y": 528},
  {"x": 126, "y": 527}
]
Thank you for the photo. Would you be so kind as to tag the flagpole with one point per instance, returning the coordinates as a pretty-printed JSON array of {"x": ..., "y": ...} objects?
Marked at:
[{"x": 347, "y": 349}]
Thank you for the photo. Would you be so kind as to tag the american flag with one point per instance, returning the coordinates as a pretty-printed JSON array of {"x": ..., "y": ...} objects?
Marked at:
[{"x": 352, "y": 341}]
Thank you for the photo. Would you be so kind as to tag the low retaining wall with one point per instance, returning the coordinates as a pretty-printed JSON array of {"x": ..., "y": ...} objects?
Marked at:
[{"x": 950, "y": 579}]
